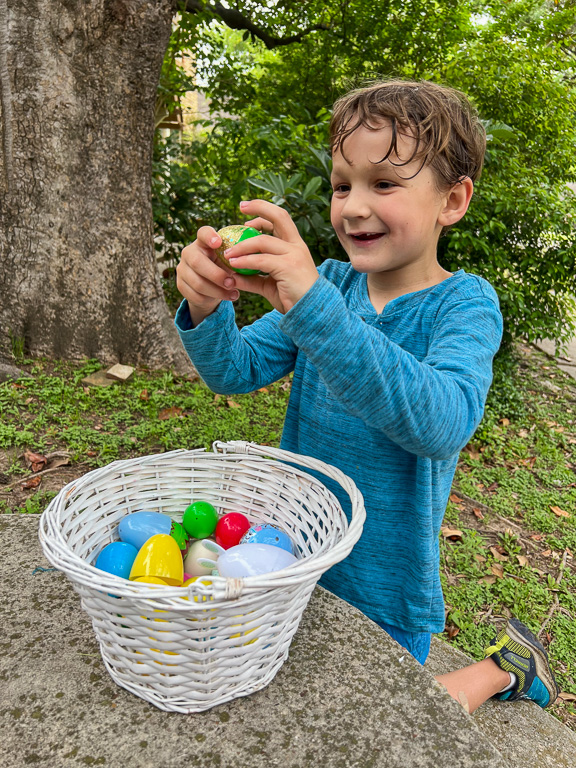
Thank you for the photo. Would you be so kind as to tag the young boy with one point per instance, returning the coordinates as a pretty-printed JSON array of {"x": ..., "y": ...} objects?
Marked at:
[{"x": 391, "y": 354}]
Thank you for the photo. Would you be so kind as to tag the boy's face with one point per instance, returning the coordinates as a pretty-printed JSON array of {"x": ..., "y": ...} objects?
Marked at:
[{"x": 386, "y": 221}]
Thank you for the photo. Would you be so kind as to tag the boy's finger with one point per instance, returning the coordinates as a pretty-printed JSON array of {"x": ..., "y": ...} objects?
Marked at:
[
  {"x": 197, "y": 260},
  {"x": 194, "y": 286},
  {"x": 281, "y": 220},
  {"x": 208, "y": 237},
  {"x": 255, "y": 245},
  {"x": 263, "y": 225}
]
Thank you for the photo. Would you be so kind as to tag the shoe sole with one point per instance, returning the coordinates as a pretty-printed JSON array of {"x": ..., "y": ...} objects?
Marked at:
[{"x": 521, "y": 634}]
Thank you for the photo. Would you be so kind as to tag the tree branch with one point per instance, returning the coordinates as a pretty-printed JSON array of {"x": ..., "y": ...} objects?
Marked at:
[{"x": 236, "y": 20}]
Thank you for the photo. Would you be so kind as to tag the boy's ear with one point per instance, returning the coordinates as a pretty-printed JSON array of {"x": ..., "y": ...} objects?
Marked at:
[{"x": 457, "y": 202}]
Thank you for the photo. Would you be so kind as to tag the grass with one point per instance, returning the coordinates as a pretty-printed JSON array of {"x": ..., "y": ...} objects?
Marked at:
[{"x": 512, "y": 512}]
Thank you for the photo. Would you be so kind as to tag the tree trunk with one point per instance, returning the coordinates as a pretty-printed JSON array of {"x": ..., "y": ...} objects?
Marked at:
[{"x": 78, "y": 275}]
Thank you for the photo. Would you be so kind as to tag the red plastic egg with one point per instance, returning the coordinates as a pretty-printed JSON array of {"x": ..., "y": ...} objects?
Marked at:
[{"x": 230, "y": 529}]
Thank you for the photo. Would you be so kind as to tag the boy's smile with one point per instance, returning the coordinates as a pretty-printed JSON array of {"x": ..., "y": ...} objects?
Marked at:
[{"x": 389, "y": 214}]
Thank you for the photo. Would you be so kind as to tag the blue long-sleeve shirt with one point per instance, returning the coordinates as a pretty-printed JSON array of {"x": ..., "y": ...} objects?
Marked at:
[{"x": 389, "y": 398}]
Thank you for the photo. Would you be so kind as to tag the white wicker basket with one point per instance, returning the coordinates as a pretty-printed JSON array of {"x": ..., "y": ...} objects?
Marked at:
[{"x": 189, "y": 649}]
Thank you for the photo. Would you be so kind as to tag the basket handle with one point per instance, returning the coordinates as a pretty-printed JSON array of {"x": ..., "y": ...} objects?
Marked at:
[{"x": 243, "y": 446}]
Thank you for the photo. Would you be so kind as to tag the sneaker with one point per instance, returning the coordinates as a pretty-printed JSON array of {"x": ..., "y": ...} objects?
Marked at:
[{"x": 515, "y": 649}]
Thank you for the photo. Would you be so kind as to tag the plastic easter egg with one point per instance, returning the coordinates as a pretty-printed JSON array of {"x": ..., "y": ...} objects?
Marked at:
[
  {"x": 151, "y": 580},
  {"x": 200, "y": 519},
  {"x": 231, "y": 235},
  {"x": 160, "y": 557},
  {"x": 137, "y": 527},
  {"x": 199, "y": 598},
  {"x": 191, "y": 566},
  {"x": 178, "y": 533},
  {"x": 117, "y": 558},
  {"x": 265, "y": 533},
  {"x": 230, "y": 529},
  {"x": 253, "y": 560}
]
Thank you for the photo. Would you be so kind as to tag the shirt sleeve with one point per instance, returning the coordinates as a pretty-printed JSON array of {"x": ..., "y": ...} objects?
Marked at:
[
  {"x": 233, "y": 361},
  {"x": 429, "y": 407}
]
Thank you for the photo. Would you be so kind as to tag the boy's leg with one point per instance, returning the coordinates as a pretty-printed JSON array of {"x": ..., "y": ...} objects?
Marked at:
[
  {"x": 474, "y": 685},
  {"x": 516, "y": 662}
]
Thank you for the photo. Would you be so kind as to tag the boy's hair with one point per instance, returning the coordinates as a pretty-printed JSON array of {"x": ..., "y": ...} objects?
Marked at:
[{"x": 449, "y": 136}]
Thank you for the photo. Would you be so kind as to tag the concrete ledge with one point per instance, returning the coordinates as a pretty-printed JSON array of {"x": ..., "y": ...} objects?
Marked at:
[{"x": 348, "y": 696}]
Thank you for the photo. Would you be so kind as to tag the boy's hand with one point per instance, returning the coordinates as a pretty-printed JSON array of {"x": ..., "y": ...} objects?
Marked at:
[
  {"x": 201, "y": 278},
  {"x": 282, "y": 254}
]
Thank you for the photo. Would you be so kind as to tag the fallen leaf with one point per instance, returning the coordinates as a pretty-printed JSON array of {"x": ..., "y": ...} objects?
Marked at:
[
  {"x": 216, "y": 398},
  {"x": 497, "y": 570},
  {"x": 232, "y": 403},
  {"x": 559, "y": 512},
  {"x": 565, "y": 696},
  {"x": 455, "y": 499},
  {"x": 498, "y": 555},
  {"x": 487, "y": 580},
  {"x": 523, "y": 433},
  {"x": 170, "y": 413},
  {"x": 504, "y": 422},
  {"x": 263, "y": 389},
  {"x": 528, "y": 462},
  {"x": 472, "y": 452},
  {"x": 32, "y": 482},
  {"x": 453, "y": 534},
  {"x": 546, "y": 553},
  {"x": 63, "y": 462},
  {"x": 493, "y": 487},
  {"x": 478, "y": 513},
  {"x": 522, "y": 560},
  {"x": 285, "y": 386},
  {"x": 91, "y": 453},
  {"x": 480, "y": 558},
  {"x": 36, "y": 461},
  {"x": 452, "y": 631},
  {"x": 144, "y": 395},
  {"x": 536, "y": 537}
]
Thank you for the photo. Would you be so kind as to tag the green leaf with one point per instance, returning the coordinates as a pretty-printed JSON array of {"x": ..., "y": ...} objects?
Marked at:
[{"x": 313, "y": 186}]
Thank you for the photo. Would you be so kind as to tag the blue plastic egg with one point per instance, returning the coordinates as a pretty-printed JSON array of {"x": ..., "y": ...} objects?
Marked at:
[
  {"x": 137, "y": 527},
  {"x": 265, "y": 533},
  {"x": 117, "y": 558}
]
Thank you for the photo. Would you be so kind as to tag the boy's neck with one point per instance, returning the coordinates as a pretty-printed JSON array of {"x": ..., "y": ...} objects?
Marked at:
[{"x": 385, "y": 286}]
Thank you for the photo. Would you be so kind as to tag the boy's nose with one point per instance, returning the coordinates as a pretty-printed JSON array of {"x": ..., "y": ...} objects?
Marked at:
[{"x": 355, "y": 206}]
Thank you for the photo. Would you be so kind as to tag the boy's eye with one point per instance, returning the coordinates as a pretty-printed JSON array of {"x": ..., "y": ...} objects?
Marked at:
[
  {"x": 341, "y": 188},
  {"x": 384, "y": 185}
]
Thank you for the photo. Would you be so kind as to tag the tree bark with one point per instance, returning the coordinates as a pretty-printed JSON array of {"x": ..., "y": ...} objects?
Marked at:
[{"x": 78, "y": 274}]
